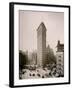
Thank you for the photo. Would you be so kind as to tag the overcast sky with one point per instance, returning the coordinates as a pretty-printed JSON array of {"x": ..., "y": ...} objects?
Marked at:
[{"x": 29, "y": 22}]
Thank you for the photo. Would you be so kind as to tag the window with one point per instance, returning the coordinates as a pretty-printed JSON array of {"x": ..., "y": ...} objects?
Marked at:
[
  {"x": 59, "y": 56},
  {"x": 59, "y": 60},
  {"x": 59, "y": 64}
]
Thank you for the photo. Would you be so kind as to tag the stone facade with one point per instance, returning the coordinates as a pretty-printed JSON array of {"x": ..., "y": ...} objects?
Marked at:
[
  {"x": 41, "y": 44},
  {"x": 60, "y": 57}
]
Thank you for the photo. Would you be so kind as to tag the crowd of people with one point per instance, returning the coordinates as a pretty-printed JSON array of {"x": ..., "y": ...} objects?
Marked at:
[{"x": 41, "y": 72}]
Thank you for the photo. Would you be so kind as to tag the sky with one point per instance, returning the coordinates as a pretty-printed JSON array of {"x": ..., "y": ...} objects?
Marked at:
[{"x": 29, "y": 21}]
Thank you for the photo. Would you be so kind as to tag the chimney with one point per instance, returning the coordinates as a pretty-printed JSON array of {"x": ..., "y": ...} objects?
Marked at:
[{"x": 58, "y": 42}]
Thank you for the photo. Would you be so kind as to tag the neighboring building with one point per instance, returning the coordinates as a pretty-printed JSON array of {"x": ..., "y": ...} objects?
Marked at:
[
  {"x": 32, "y": 58},
  {"x": 60, "y": 58},
  {"x": 26, "y": 53},
  {"x": 41, "y": 44}
]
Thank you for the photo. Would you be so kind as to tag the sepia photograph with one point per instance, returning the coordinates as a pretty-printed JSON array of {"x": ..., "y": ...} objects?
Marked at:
[{"x": 41, "y": 44}]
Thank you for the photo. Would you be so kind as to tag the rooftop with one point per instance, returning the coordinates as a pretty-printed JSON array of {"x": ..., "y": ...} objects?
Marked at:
[{"x": 42, "y": 24}]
